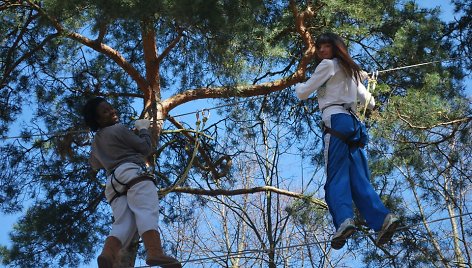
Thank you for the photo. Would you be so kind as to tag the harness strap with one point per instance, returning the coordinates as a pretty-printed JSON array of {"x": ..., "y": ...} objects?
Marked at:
[
  {"x": 115, "y": 179},
  {"x": 343, "y": 138},
  {"x": 334, "y": 104},
  {"x": 346, "y": 107},
  {"x": 130, "y": 184}
]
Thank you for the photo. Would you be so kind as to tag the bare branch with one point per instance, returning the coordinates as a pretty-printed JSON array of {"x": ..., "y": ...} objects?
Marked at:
[
  {"x": 172, "y": 44},
  {"x": 210, "y": 165},
  {"x": 442, "y": 124},
  {"x": 318, "y": 202}
]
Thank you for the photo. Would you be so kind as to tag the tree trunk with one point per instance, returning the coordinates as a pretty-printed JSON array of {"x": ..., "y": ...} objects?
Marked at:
[
  {"x": 450, "y": 200},
  {"x": 432, "y": 239}
]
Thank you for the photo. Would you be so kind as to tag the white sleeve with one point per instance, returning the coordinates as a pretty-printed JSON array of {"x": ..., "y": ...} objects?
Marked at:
[
  {"x": 323, "y": 72},
  {"x": 365, "y": 96}
]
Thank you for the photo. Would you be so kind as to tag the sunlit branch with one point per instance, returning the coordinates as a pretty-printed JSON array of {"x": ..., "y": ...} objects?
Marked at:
[{"x": 216, "y": 192}]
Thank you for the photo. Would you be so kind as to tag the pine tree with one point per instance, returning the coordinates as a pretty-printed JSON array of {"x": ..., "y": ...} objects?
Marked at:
[{"x": 151, "y": 57}]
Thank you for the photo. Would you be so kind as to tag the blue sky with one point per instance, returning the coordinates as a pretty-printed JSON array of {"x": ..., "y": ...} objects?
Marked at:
[{"x": 446, "y": 13}]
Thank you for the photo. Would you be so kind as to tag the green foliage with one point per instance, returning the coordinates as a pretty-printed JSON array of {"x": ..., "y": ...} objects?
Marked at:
[
  {"x": 72, "y": 234},
  {"x": 305, "y": 213},
  {"x": 420, "y": 133},
  {"x": 459, "y": 29}
]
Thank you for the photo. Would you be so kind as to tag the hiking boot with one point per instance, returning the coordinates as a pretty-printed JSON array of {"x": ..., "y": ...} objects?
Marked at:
[
  {"x": 155, "y": 253},
  {"x": 345, "y": 230},
  {"x": 110, "y": 253},
  {"x": 389, "y": 227}
]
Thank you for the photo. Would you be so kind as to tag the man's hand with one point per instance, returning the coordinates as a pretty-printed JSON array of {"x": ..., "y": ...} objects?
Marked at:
[{"x": 142, "y": 124}]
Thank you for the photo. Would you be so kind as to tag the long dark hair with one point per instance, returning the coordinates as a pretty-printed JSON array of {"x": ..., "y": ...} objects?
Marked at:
[{"x": 340, "y": 51}]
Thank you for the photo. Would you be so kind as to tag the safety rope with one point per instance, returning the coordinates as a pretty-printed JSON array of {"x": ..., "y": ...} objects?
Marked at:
[
  {"x": 421, "y": 64},
  {"x": 371, "y": 86},
  {"x": 366, "y": 234},
  {"x": 372, "y": 78},
  {"x": 63, "y": 133},
  {"x": 57, "y": 134},
  {"x": 196, "y": 145}
]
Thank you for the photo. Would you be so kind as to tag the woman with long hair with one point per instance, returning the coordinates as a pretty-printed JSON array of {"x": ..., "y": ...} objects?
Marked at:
[{"x": 337, "y": 81}]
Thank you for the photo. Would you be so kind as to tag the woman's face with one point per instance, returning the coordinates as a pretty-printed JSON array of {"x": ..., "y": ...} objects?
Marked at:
[
  {"x": 325, "y": 51},
  {"x": 106, "y": 115}
]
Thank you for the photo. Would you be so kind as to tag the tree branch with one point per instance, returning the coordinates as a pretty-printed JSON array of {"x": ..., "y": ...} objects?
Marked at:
[
  {"x": 97, "y": 46},
  {"x": 228, "y": 92},
  {"x": 264, "y": 88},
  {"x": 318, "y": 202},
  {"x": 302, "y": 30},
  {"x": 442, "y": 124},
  {"x": 171, "y": 45},
  {"x": 211, "y": 166},
  {"x": 10, "y": 4},
  {"x": 102, "y": 30},
  {"x": 11, "y": 66}
]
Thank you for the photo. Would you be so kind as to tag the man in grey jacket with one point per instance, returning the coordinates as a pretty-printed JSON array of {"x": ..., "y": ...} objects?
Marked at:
[{"x": 130, "y": 191}]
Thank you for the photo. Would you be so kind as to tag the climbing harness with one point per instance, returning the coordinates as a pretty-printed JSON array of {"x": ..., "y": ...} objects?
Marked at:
[
  {"x": 143, "y": 175},
  {"x": 358, "y": 120},
  {"x": 344, "y": 138},
  {"x": 358, "y": 126}
]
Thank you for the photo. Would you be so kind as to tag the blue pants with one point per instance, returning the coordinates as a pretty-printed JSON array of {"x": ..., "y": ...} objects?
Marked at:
[{"x": 348, "y": 177}]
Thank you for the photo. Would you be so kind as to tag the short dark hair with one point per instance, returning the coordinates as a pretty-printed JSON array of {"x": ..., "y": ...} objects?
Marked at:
[{"x": 89, "y": 112}]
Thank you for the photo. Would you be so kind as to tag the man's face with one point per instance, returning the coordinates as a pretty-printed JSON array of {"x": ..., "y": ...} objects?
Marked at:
[{"x": 106, "y": 115}]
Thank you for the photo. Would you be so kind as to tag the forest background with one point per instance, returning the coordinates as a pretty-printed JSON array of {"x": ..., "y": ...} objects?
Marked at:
[{"x": 243, "y": 183}]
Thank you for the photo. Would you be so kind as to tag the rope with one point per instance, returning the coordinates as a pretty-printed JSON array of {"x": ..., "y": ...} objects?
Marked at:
[
  {"x": 194, "y": 154},
  {"x": 60, "y": 134},
  {"x": 221, "y": 106},
  {"x": 56, "y": 134},
  {"x": 63, "y": 133},
  {"x": 244, "y": 252},
  {"x": 50, "y": 134},
  {"x": 420, "y": 64}
]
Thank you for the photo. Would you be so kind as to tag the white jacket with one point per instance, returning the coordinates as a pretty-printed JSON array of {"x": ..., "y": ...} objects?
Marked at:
[{"x": 334, "y": 87}]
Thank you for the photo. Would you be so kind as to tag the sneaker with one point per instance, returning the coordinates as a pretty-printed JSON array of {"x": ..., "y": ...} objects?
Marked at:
[
  {"x": 345, "y": 230},
  {"x": 389, "y": 227}
]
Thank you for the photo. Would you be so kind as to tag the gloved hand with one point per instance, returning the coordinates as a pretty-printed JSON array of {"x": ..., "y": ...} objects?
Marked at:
[
  {"x": 142, "y": 124},
  {"x": 364, "y": 75}
]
